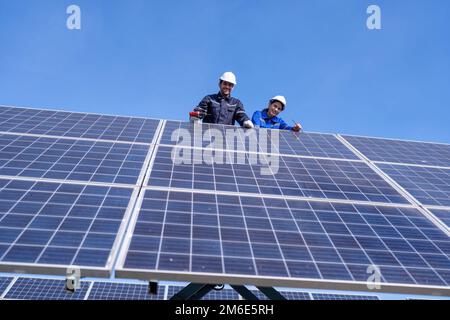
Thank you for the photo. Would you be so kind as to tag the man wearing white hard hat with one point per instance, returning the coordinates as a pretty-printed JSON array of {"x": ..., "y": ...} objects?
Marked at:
[
  {"x": 222, "y": 108},
  {"x": 268, "y": 118}
]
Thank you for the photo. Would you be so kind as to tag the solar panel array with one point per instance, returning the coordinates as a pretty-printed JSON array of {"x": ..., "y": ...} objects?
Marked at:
[
  {"x": 44, "y": 289},
  {"x": 71, "y": 184},
  {"x": 25, "y": 288},
  {"x": 68, "y": 159},
  {"x": 67, "y": 185},
  {"x": 76, "y": 125},
  {"x": 325, "y": 214}
]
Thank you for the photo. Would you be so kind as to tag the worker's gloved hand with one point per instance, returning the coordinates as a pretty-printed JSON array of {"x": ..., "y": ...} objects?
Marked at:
[
  {"x": 196, "y": 116},
  {"x": 297, "y": 128},
  {"x": 248, "y": 124}
]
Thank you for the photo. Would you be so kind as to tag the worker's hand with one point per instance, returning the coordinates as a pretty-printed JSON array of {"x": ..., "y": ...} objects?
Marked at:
[
  {"x": 196, "y": 116},
  {"x": 297, "y": 128},
  {"x": 248, "y": 124}
]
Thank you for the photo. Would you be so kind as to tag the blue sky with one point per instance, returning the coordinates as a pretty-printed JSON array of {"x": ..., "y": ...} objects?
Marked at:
[{"x": 159, "y": 58}]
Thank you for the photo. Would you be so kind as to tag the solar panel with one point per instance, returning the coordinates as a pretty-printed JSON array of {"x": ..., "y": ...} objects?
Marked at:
[
  {"x": 78, "y": 125},
  {"x": 328, "y": 296},
  {"x": 4, "y": 283},
  {"x": 242, "y": 237},
  {"x": 398, "y": 151},
  {"x": 300, "y": 177},
  {"x": 67, "y": 159},
  {"x": 58, "y": 224},
  {"x": 224, "y": 294},
  {"x": 443, "y": 215},
  {"x": 287, "y": 143},
  {"x": 44, "y": 289},
  {"x": 123, "y": 291},
  {"x": 430, "y": 186}
]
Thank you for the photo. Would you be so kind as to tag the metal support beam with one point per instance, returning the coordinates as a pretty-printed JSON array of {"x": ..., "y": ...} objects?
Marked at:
[
  {"x": 193, "y": 291},
  {"x": 271, "y": 293},
  {"x": 245, "y": 293}
]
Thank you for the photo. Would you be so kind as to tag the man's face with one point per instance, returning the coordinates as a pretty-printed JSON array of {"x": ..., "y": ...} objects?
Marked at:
[
  {"x": 226, "y": 88},
  {"x": 275, "y": 108}
]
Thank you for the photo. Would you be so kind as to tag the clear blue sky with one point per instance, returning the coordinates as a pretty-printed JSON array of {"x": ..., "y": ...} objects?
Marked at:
[{"x": 159, "y": 58}]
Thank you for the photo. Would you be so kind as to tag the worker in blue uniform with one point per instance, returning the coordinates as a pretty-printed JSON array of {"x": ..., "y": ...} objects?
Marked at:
[
  {"x": 222, "y": 108},
  {"x": 268, "y": 118}
]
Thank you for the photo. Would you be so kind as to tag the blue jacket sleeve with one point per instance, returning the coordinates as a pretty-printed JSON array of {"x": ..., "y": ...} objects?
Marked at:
[
  {"x": 284, "y": 125},
  {"x": 203, "y": 105},
  {"x": 256, "y": 119},
  {"x": 240, "y": 116}
]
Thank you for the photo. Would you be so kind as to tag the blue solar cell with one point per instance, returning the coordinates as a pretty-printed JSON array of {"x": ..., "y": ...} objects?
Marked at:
[
  {"x": 430, "y": 186},
  {"x": 56, "y": 159},
  {"x": 44, "y": 289},
  {"x": 79, "y": 125}
]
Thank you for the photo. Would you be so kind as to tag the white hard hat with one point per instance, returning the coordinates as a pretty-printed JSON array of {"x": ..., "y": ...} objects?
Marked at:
[
  {"x": 229, "y": 77},
  {"x": 280, "y": 99}
]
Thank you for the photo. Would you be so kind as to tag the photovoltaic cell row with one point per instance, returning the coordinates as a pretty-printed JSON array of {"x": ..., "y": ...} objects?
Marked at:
[
  {"x": 79, "y": 125},
  {"x": 123, "y": 291},
  {"x": 271, "y": 141},
  {"x": 59, "y": 224},
  {"x": 237, "y": 235},
  {"x": 225, "y": 294},
  {"x": 430, "y": 186},
  {"x": 398, "y": 151},
  {"x": 328, "y": 296},
  {"x": 443, "y": 215},
  {"x": 67, "y": 159},
  {"x": 44, "y": 289},
  {"x": 289, "y": 295},
  {"x": 286, "y": 176}
]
